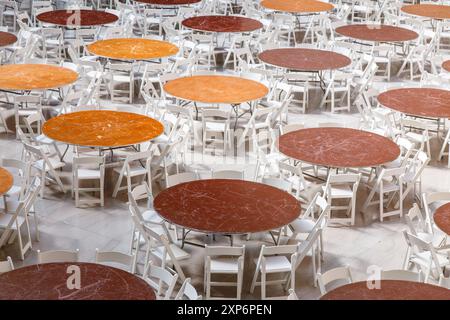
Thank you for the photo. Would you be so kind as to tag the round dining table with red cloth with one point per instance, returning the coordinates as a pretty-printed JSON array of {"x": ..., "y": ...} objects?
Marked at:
[
  {"x": 223, "y": 24},
  {"x": 77, "y": 18}
]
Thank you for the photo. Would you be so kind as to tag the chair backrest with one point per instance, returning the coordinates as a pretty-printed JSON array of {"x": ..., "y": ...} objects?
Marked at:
[
  {"x": 116, "y": 258},
  {"x": 57, "y": 256},
  {"x": 405, "y": 275},
  {"x": 340, "y": 273},
  {"x": 346, "y": 178},
  {"x": 178, "y": 178},
  {"x": 214, "y": 251},
  {"x": 228, "y": 174},
  {"x": 142, "y": 191},
  {"x": 187, "y": 290},
  {"x": 418, "y": 245},
  {"x": 7, "y": 265},
  {"x": 291, "y": 127},
  {"x": 163, "y": 277},
  {"x": 415, "y": 220}
]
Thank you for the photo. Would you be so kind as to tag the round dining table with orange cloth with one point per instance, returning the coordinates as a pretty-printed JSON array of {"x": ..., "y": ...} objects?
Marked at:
[
  {"x": 50, "y": 281},
  {"x": 132, "y": 49},
  {"x": 216, "y": 89},
  {"x": 388, "y": 290},
  {"x": 27, "y": 77},
  {"x": 420, "y": 102},
  {"x": 297, "y": 6},
  {"x": 302, "y": 59},
  {"x": 102, "y": 128},
  {"x": 338, "y": 147},
  {"x": 223, "y": 24},
  {"x": 6, "y": 181},
  {"x": 75, "y": 18},
  {"x": 227, "y": 206},
  {"x": 7, "y": 39},
  {"x": 432, "y": 11},
  {"x": 377, "y": 33}
]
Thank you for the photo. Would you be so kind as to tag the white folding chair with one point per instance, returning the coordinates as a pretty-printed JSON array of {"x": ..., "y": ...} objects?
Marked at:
[
  {"x": 116, "y": 258},
  {"x": 161, "y": 280},
  {"x": 404, "y": 275},
  {"x": 88, "y": 169},
  {"x": 6, "y": 266},
  {"x": 340, "y": 273},
  {"x": 57, "y": 256},
  {"x": 187, "y": 290}
]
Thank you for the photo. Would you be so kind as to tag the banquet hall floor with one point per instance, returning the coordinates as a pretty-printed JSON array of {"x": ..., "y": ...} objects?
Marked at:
[{"x": 369, "y": 242}]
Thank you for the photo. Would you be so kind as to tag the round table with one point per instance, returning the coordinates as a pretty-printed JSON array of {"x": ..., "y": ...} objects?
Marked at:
[
  {"x": 442, "y": 218},
  {"x": 300, "y": 59},
  {"x": 102, "y": 128},
  {"x": 446, "y": 65},
  {"x": 35, "y": 77},
  {"x": 132, "y": 49},
  {"x": 229, "y": 24},
  {"x": 226, "y": 206},
  {"x": 296, "y": 6},
  {"x": 421, "y": 102},
  {"x": 6, "y": 181},
  {"x": 389, "y": 290},
  {"x": 7, "y": 39},
  {"x": 49, "y": 282},
  {"x": 216, "y": 89},
  {"x": 338, "y": 147},
  {"x": 432, "y": 11},
  {"x": 377, "y": 33},
  {"x": 169, "y": 3},
  {"x": 77, "y": 18}
]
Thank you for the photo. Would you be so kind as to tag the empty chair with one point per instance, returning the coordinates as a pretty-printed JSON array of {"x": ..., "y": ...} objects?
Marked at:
[
  {"x": 340, "y": 273},
  {"x": 401, "y": 275},
  {"x": 116, "y": 258},
  {"x": 276, "y": 259},
  {"x": 187, "y": 291},
  {"x": 224, "y": 261},
  {"x": 178, "y": 178},
  {"x": 161, "y": 280},
  {"x": 342, "y": 186},
  {"x": 7, "y": 265},
  {"x": 291, "y": 127},
  {"x": 88, "y": 169},
  {"x": 57, "y": 256},
  {"x": 227, "y": 174},
  {"x": 136, "y": 165}
]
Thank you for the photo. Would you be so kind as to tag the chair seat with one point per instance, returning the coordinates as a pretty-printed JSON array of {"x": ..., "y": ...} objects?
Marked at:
[
  {"x": 179, "y": 253},
  {"x": 55, "y": 162},
  {"x": 215, "y": 127},
  {"x": 302, "y": 225},
  {"x": 88, "y": 174},
  {"x": 424, "y": 258},
  {"x": 134, "y": 171},
  {"x": 277, "y": 264},
  {"x": 340, "y": 191},
  {"x": 14, "y": 190},
  {"x": 390, "y": 186},
  {"x": 224, "y": 265},
  {"x": 151, "y": 216},
  {"x": 416, "y": 137},
  {"x": 43, "y": 139}
]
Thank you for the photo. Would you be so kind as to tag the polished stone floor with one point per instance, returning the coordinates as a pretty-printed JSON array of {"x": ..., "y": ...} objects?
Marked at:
[{"x": 369, "y": 242}]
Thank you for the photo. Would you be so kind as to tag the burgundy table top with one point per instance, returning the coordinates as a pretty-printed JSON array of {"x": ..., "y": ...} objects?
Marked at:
[
  {"x": 389, "y": 290},
  {"x": 338, "y": 147},
  {"x": 301, "y": 59},
  {"x": 49, "y": 282},
  {"x": 169, "y": 2},
  {"x": 446, "y": 65},
  {"x": 222, "y": 24},
  {"x": 422, "y": 102},
  {"x": 442, "y": 218},
  {"x": 377, "y": 33},
  {"x": 7, "y": 39},
  {"x": 227, "y": 206},
  {"x": 77, "y": 18}
]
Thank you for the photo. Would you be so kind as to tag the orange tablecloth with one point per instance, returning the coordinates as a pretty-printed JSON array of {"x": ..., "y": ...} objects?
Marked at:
[
  {"x": 297, "y": 6},
  {"x": 35, "y": 77},
  {"x": 132, "y": 49},
  {"x": 102, "y": 128},
  {"x": 433, "y": 11},
  {"x": 6, "y": 181},
  {"x": 216, "y": 89}
]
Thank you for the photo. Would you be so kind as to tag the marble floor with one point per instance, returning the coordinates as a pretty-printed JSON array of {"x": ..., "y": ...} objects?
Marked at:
[{"x": 369, "y": 242}]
